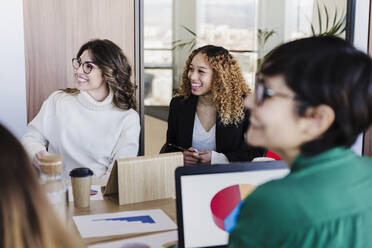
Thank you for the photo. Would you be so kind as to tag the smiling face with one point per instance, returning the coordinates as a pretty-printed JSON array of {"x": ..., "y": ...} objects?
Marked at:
[
  {"x": 93, "y": 82},
  {"x": 200, "y": 75},
  {"x": 275, "y": 123}
]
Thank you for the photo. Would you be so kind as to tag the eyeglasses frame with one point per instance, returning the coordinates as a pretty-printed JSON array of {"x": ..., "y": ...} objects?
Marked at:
[
  {"x": 261, "y": 92},
  {"x": 82, "y": 64}
]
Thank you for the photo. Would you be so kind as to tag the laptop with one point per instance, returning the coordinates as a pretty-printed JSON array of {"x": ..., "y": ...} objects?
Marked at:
[{"x": 207, "y": 198}]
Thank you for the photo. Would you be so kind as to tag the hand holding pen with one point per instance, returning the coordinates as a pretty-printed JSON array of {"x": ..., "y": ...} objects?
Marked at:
[
  {"x": 180, "y": 148},
  {"x": 190, "y": 155}
]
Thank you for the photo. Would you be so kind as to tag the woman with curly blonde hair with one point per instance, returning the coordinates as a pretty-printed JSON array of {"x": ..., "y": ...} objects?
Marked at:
[
  {"x": 95, "y": 123},
  {"x": 207, "y": 115}
]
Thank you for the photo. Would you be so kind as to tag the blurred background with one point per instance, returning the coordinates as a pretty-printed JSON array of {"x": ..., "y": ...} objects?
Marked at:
[{"x": 248, "y": 28}]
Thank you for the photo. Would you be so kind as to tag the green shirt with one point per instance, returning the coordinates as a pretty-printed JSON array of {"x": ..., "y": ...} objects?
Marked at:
[{"x": 326, "y": 201}]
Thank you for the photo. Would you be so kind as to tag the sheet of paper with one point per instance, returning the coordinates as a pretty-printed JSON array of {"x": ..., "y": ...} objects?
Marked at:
[
  {"x": 95, "y": 193},
  {"x": 163, "y": 240},
  {"x": 99, "y": 225}
]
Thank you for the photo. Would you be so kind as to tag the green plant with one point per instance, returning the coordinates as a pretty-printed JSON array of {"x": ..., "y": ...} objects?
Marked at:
[
  {"x": 337, "y": 27},
  {"x": 263, "y": 35},
  {"x": 182, "y": 43}
]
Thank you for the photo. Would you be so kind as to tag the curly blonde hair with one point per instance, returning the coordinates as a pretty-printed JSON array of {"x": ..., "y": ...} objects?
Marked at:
[{"x": 228, "y": 86}]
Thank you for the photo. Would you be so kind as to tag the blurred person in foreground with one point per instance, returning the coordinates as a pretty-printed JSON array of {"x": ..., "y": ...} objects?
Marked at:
[
  {"x": 26, "y": 217},
  {"x": 312, "y": 99}
]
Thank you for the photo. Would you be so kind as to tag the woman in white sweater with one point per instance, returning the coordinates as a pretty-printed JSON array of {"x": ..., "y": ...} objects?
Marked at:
[{"x": 95, "y": 123}]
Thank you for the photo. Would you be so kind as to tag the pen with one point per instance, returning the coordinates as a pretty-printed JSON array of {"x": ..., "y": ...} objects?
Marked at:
[{"x": 177, "y": 147}]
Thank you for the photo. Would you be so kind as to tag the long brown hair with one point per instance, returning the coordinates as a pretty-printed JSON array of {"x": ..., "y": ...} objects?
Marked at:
[
  {"x": 26, "y": 218},
  {"x": 116, "y": 72},
  {"x": 228, "y": 86}
]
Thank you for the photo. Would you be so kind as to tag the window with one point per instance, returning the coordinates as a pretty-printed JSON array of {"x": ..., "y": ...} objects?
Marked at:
[
  {"x": 157, "y": 52},
  {"x": 234, "y": 29}
]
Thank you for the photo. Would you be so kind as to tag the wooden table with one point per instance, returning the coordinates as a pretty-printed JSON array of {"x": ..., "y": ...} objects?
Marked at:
[{"x": 110, "y": 206}]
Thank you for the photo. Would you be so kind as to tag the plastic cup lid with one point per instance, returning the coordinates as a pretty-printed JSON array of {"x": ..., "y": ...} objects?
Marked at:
[{"x": 81, "y": 172}]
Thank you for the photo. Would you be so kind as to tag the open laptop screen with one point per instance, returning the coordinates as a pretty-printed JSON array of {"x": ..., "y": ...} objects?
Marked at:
[{"x": 207, "y": 196}]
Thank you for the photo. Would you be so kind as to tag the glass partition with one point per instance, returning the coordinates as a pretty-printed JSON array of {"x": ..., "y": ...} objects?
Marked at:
[{"x": 248, "y": 28}]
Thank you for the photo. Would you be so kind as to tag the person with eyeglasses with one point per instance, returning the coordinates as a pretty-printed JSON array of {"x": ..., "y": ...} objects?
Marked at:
[
  {"x": 312, "y": 100},
  {"x": 95, "y": 123},
  {"x": 206, "y": 118}
]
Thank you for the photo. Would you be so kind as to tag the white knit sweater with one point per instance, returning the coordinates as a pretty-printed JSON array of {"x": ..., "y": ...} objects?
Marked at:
[{"x": 83, "y": 131}]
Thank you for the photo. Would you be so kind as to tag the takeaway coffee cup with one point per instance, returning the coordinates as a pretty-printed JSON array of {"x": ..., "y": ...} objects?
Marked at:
[{"x": 81, "y": 180}]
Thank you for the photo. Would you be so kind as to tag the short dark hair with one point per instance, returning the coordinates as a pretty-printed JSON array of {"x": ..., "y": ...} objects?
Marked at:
[{"x": 327, "y": 70}]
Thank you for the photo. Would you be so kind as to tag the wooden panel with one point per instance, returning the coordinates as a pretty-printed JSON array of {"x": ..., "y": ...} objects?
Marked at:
[
  {"x": 155, "y": 135},
  {"x": 55, "y": 30},
  {"x": 367, "y": 143},
  {"x": 367, "y": 140},
  {"x": 144, "y": 178}
]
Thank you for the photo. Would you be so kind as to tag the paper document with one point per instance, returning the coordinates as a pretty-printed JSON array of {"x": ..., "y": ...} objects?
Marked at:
[
  {"x": 99, "y": 225},
  {"x": 161, "y": 240}
]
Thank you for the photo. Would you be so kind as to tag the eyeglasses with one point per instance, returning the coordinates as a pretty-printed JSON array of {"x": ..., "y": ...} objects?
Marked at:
[
  {"x": 262, "y": 93},
  {"x": 88, "y": 66}
]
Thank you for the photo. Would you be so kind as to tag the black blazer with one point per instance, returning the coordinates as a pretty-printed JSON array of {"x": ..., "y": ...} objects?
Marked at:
[{"x": 229, "y": 138}]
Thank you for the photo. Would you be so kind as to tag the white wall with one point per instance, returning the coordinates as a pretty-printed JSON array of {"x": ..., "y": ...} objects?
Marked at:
[
  {"x": 361, "y": 42},
  {"x": 12, "y": 67},
  {"x": 361, "y": 25},
  {"x": 272, "y": 16}
]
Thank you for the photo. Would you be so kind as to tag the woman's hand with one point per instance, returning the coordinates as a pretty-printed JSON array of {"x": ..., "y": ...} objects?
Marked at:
[
  {"x": 205, "y": 157},
  {"x": 38, "y": 155},
  {"x": 191, "y": 156}
]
